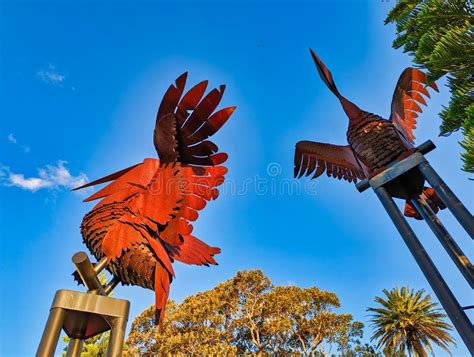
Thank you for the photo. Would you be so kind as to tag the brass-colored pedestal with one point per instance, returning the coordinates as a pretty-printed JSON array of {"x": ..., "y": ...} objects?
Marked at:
[{"x": 84, "y": 315}]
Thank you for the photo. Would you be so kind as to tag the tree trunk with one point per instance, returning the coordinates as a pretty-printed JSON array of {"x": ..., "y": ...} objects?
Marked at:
[{"x": 419, "y": 349}]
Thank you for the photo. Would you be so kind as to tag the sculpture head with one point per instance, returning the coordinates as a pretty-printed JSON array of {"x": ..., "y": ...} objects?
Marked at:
[{"x": 352, "y": 111}]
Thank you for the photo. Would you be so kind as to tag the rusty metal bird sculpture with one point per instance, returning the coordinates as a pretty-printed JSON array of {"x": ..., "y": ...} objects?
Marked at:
[
  {"x": 142, "y": 222},
  {"x": 374, "y": 142}
]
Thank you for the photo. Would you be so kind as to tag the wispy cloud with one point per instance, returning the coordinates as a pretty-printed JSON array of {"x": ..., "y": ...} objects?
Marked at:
[
  {"x": 51, "y": 75},
  {"x": 50, "y": 177},
  {"x": 12, "y": 139}
]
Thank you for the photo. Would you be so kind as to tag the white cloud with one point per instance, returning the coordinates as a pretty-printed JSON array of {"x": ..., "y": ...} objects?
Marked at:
[
  {"x": 50, "y": 177},
  {"x": 32, "y": 184},
  {"x": 51, "y": 76},
  {"x": 12, "y": 139}
]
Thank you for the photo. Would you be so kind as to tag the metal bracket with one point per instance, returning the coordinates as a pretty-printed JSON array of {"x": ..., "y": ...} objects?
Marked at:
[{"x": 397, "y": 170}]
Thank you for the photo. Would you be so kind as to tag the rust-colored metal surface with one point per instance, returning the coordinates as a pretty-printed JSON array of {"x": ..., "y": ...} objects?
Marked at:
[
  {"x": 142, "y": 223},
  {"x": 374, "y": 142}
]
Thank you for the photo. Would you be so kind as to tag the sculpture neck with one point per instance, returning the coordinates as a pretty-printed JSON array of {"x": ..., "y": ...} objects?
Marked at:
[{"x": 352, "y": 111}]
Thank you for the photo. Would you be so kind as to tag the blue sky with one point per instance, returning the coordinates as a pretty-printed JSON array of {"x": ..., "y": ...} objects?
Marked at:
[{"x": 79, "y": 88}]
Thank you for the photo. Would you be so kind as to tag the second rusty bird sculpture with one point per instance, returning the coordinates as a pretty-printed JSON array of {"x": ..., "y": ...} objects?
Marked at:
[
  {"x": 374, "y": 142},
  {"x": 142, "y": 222}
]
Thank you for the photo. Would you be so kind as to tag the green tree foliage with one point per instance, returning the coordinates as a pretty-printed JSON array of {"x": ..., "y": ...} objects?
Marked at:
[
  {"x": 439, "y": 34},
  {"x": 93, "y": 347},
  {"x": 408, "y": 321},
  {"x": 248, "y": 315}
]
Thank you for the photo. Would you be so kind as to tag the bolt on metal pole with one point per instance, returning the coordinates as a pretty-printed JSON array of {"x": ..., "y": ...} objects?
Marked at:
[
  {"x": 455, "y": 312},
  {"x": 448, "y": 197},
  {"x": 446, "y": 240}
]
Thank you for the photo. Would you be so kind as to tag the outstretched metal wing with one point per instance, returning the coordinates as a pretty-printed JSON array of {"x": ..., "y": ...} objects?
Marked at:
[
  {"x": 183, "y": 124},
  {"x": 406, "y": 99},
  {"x": 337, "y": 161}
]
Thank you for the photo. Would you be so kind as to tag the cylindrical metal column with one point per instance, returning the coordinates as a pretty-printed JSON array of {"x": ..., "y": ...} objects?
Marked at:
[
  {"x": 449, "y": 198},
  {"x": 100, "y": 265},
  {"x": 74, "y": 347},
  {"x": 446, "y": 240},
  {"x": 457, "y": 315},
  {"x": 87, "y": 273},
  {"x": 111, "y": 285},
  {"x": 51, "y": 332},
  {"x": 117, "y": 337}
]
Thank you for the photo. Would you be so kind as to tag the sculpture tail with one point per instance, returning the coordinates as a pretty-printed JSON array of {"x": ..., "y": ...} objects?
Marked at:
[
  {"x": 433, "y": 200},
  {"x": 162, "y": 289}
]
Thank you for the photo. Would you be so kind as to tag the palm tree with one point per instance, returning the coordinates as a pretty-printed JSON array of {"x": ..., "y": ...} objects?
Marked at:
[{"x": 409, "y": 321}]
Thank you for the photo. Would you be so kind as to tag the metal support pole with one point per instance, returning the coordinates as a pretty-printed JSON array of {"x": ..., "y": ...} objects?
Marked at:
[
  {"x": 455, "y": 312},
  {"x": 74, "y": 347},
  {"x": 51, "y": 333},
  {"x": 446, "y": 240},
  {"x": 111, "y": 285},
  {"x": 117, "y": 337},
  {"x": 87, "y": 273},
  {"x": 449, "y": 198},
  {"x": 100, "y": 265}
]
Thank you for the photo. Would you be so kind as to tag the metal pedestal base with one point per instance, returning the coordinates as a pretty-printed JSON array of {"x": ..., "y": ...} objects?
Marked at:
[
  {"x": 84, "y": 315},
  {"x": 405, "y": 179}
]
